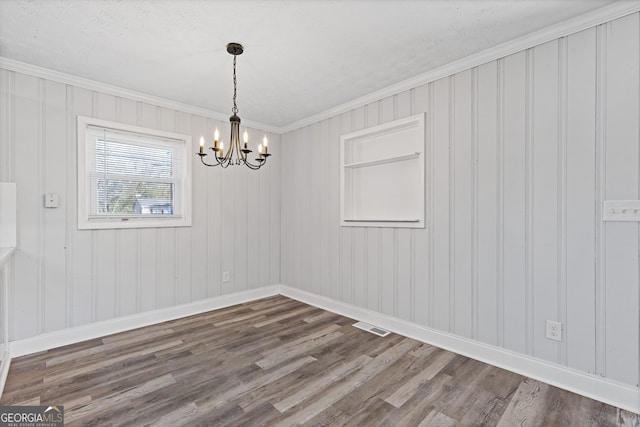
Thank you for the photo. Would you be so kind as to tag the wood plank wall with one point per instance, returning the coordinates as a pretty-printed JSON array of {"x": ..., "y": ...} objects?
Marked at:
[
  {"x": 521, "y": 153},
  {"x": 64, "y": 277}
]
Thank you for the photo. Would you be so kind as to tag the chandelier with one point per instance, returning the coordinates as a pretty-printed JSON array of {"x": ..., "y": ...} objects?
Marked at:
[{"x": 237, "y": 152}]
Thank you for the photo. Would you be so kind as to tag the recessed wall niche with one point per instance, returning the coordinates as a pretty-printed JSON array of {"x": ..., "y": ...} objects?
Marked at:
[{"x": 382, "y": 175}]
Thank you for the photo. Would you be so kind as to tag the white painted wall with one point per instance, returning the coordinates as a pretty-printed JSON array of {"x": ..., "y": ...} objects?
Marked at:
[
  {"x": 64, "y": 277},
  {"x": 521, "y": 153},
  {"x": 8, "y": 214}
]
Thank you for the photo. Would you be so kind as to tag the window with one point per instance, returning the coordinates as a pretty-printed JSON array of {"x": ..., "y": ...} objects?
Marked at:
[{"x": 132, "y": 177}]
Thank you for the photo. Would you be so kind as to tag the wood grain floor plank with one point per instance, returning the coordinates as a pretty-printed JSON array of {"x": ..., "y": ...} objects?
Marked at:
[
  {"x": 132, "y": 335},
  {"x": 486, "y": 410},
  {"x": 500, "y": 382},
  {"x": 416, "y": 409},
  {"x": 212, "y": 403},
  {"x": 626, "y": 418},
  {"x": 31, "y": 402},
  {"x": 176, "y": 417},
  {"x": 254, "y": 314},
  {"x": 279, "y": 362},
  {"x": 289, "y": 385},
  {"x": 270, "y": 302},
  {"x": 108, "y": 362},
  {"x": 370, "y": 413},
  {"x": 408, "y": 388},
  {"x": 341, "y": 389},
  {"x": 380, "y": 386},
  {"x": 84, "y": 354},
  {"x": 306, "y": 347},
  {"x": 287, "y": 315},
  {"x": 439, "y": 419},
  {"x": 323, "y": 315},
  {"x": 526, "y": 407},
  {"x": 292, "y": 345},
  {"x": 262, "y": 415},
  {"x": 459, "y": 402},
  {"x": 92, "y": 409},
  {"x": 320, "y": 383}
]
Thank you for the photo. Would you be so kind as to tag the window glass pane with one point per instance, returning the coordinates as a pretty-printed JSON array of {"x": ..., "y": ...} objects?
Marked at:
[{"x": 126, "y": 197}]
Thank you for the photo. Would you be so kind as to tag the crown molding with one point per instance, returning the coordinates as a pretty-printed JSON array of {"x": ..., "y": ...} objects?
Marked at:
[
  {"x": 70, "y": 79},
  {"x": 562, "y": 29},
  {"x": 570, "y": 26}
]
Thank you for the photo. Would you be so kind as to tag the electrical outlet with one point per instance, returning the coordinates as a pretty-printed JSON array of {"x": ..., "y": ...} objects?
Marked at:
[
  {"x": 225, "y": 277},
  {"x": 554, "y": 330}
]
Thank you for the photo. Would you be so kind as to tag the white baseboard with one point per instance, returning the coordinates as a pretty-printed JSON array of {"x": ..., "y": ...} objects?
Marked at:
[
  {"x": 601, "y": 389},
  {"x": 99, "y": 329}
]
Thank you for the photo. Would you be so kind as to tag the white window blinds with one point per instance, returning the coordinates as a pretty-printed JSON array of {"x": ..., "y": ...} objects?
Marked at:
[{"x": 132, "y": 174}]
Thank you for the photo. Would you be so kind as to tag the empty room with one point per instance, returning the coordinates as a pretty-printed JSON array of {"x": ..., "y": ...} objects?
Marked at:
[{"x": 327, "y": 213}]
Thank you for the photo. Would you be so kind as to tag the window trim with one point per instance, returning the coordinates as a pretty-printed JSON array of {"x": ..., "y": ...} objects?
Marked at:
[{"x": 88, "y": 222}]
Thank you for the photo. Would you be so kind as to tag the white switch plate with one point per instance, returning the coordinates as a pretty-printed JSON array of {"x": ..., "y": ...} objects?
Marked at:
[
  {"x": 225, "y": 276},
  {"x": 50, "y": 200},
  {"x": 621, "y": 210}
]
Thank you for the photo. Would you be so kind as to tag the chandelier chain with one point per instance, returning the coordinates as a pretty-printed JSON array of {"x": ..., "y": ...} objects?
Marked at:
[
  {"x": 237, "y": 152},
  {"x": 235, "y": 84}
]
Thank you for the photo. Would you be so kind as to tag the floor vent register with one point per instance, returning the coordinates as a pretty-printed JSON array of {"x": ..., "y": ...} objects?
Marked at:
[{"x": 373, "y": 329}]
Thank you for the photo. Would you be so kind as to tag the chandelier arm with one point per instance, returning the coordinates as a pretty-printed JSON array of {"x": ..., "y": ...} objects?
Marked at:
[
  {"x": 234, "y": 136},
  {"x": 218, "y": 159},
  {"x": 243, "y": 156},
  {"x": 254, "y": 166},
  {"x": 225, "y": 159},
  {"x": 208, "y": 164}
]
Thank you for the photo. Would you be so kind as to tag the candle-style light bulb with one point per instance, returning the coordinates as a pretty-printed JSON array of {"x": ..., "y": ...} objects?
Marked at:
[
  {"x": 260, "y": 149},
  {"x": 216, "y": 135},
  {"x": 222, "y": 147},
  {"x": 265, "y": 143},
  {"x": 201, "y": 144},
  {"x": 245, "y": 138}
]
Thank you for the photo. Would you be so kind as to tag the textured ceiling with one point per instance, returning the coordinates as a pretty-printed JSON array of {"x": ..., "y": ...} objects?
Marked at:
[{"x": 301, "y": 57}]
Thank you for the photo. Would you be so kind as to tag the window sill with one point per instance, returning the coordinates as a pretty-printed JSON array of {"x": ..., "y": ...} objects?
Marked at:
[{"x": 117, "y": 223}]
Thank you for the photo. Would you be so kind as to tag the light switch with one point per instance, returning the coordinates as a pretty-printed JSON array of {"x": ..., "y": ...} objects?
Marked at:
[
  {"x": 621, "y": 210},
  {"x": 50, "y": 200}
]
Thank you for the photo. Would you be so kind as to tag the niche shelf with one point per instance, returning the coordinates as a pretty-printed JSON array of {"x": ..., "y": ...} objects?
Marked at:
[{"x": 382, "y": 175}]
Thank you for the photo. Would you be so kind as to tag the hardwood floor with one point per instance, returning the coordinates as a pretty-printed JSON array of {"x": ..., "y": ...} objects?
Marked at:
[{"x": 279, "y": 362}]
